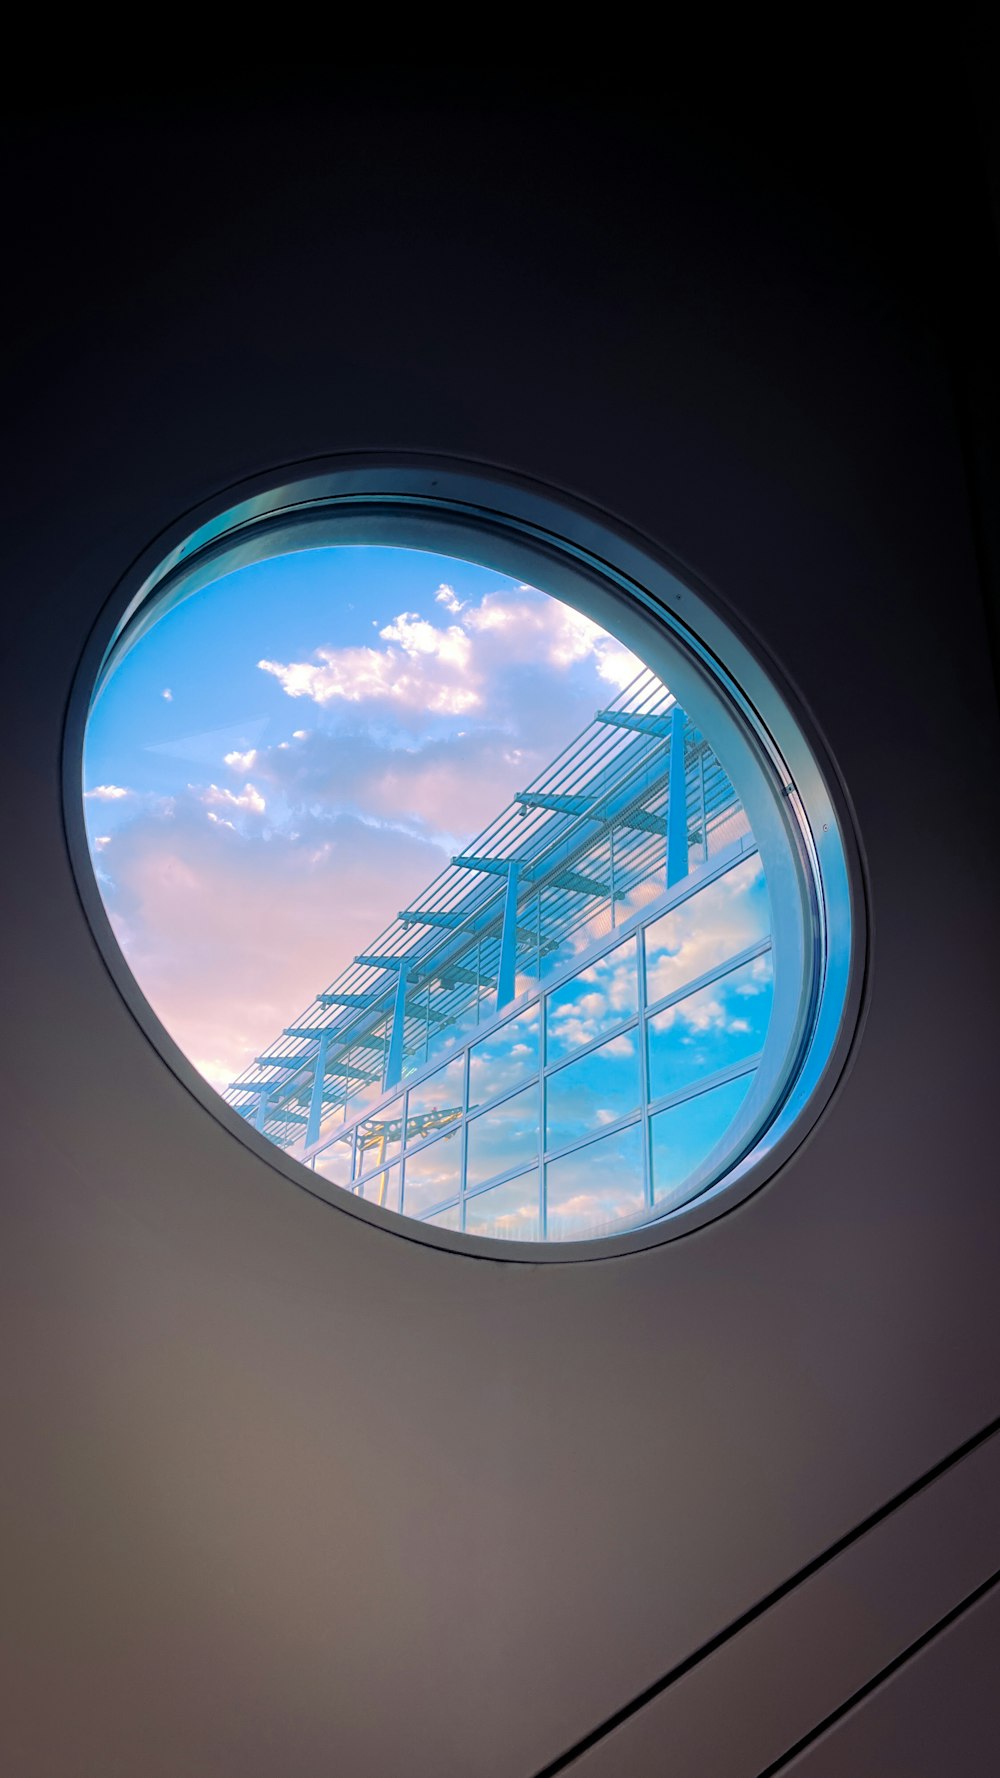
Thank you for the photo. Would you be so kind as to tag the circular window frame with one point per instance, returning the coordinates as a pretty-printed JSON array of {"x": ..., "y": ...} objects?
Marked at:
[{"x": 591, "y": 561}]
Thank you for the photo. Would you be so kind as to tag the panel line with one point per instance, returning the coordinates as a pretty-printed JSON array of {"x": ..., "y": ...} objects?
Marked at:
[
  {"x": 886, "y": 1672},
  {"x": 622, "y": 1715}
]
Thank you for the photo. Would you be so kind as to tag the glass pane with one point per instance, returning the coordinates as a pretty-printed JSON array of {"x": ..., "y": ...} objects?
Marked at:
[
  {"x": 712, "y": 1029},
  {"x": 505, "y": 1137},
  {"x": 363, "y": 1068},
  {"x": 684, "y": 1135},
  {"x": 504, "y": 1059},
  {"x": 333, "y": 1114},
  {"x": 600, "y": 997},
  {"x": 334, "y": 1163},
  {"x": 436, "y": 1102},
  {"x": 718, "y": 922},
  {"x": 379, "y": 1137},
  {"x": 507, "y": 1212},
  {"x": 432, "y": 1173},
  {"x": 596, "y": 1089},
  {"x": 382, "y": 1188},
  {"x": 449, "y": 1218},
  {"x": 590, "y": 1190}
]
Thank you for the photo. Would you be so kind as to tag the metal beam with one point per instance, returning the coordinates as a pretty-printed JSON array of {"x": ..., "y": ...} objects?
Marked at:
[
  {"x": 497, "y": 867},
  {"x": 316, "y": 1102},
  {"x": 383, "y": 962},
  {"x": 677, "y": 832},
  {"x": 564, "y": 805},
  {"x": 452, "y": 975},
  {"x": 645, "y": 822},
  {"x": 575, "y": 880},
  {"x": 428, "y": 917},
  {"x": 359, "y": 1000},
  {"x": 394, "y": 1060},
  {"x": 643, "y": 725},
  {"x": 507, "y": 966},
  {"x": 265, "y": 1087}
]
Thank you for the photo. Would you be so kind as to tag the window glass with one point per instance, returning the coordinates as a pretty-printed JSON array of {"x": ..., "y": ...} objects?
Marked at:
[
  {"x": 432, "y": 1173},
  {"x": 382, "y": 1188},
  {"x": 362, "y": 1075},
  {"x": 435, "y": 1102},
  {"x": 717, "y": 922},
  {"x": 592, "y": 1189},
  {"x": 684, "y": 1134},
  {"x": 335, "y": 1161},
  {"x": 712, "y": 1029},
  {"x": 332, "y": 1116},
  {"x": 448, "y": 1218},
  {"x": 424, "y": 792},
  {"x": 504, "y": 1138},
  {"x": 599, "y": 998},
  {"x": 596, "y": 1089},
  {"x": 508, "y": 1056},
  {"x": 507, "y": 1212},
  {"x": 379, "y": 1137}
]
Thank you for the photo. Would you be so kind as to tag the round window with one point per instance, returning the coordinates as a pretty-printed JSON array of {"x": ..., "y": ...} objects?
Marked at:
[{"x": 468, "y": 856}]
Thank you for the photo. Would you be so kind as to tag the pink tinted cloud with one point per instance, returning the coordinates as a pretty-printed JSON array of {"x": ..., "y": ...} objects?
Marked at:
[
  {"x": 449, "y": 785},
  {"x": 231, "y": 934}
]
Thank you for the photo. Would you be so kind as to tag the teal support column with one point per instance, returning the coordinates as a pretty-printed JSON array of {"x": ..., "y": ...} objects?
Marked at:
[
  {"x": 394, "y": 1060},
  {"x": 263, "y": 1106},
  {"x": 507, "y": 971},
  {"x": 677, "y": 830},
  {"x": 316, "y": 1101}
]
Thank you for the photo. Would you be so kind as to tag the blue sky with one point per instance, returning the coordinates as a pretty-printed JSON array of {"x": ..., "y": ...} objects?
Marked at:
[{"x": 293, "y": 753}]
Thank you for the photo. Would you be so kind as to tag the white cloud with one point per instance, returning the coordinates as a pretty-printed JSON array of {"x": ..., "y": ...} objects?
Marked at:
[
  {"x": 458, "y": 669},
  {"x": 241, "y": 762},
  {"x": 168, "y": 694},
  {"x": 107, "y": 793},
  {"x": 250, "y": 801},
  {"x": 100, "y": 841}
]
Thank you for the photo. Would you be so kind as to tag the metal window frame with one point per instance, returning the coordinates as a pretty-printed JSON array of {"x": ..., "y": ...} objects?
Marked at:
[{"x": 729, "y": 682}]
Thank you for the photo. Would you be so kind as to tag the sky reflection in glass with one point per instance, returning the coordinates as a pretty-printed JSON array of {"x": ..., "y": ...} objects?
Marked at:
[
  {"x": 334, "y": 1163},
  {"x": 684, "y": 1135},
  {"x": 449, "y": 1218},
  {"x": 431, "y": 1103},
  {"x": 596, "y": 1000},
  {"x": 382, "y": 1188},
  {"x": 596, "y": 1089},
  {"x": 504, "y": 1138},
  {"x": 596, "y": 1186},
  {"x": 722, "y": 919},
  {"x": 712, "y": 1029},
  {"x": 432, "y": 1173},
  {"x": 505, "y": 1058},
  {"x": 506, "y": 1212},
  {"x": 379, "y": 1138}
]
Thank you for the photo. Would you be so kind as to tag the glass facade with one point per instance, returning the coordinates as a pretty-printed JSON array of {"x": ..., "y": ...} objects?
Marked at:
[
  {"x": 553, "y": 1042},
  {"x": 595, "y": 1103}
]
